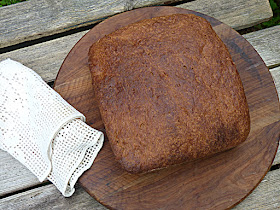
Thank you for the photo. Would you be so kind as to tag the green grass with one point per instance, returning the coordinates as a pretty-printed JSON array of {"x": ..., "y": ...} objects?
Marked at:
[
  {"x": 275, "y": 20},
  {"x": 8, "y": 2}
]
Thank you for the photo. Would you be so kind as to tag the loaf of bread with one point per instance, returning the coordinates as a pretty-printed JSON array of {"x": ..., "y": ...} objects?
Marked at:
[{"x": 168, "y": 92}]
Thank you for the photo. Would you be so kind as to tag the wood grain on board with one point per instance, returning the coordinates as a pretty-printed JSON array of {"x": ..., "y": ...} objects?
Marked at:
[
  {"x": 214, "y": 183},
  {"x": 264, "y": 197}
]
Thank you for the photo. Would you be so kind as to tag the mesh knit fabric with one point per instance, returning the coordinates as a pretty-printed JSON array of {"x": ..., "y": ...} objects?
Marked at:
[{"x": 41, "y": 130}]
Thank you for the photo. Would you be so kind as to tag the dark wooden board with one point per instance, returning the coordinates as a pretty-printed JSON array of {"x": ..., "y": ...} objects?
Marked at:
[{"x": 218, "y": 182}]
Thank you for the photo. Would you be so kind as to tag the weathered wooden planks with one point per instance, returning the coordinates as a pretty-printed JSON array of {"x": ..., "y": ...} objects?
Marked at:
[
  {"x": 48, "y": 197},
  {"x": 238, "y": 14},
  {"x": 13, "y": 175},
  {"x": 47, "y": 61},
  {"x": 276, "y": 76},
  {"x": 265, "y": 196},
  {"x": 266, "y": 42},
  {"x": 45, "y": 58},
  {"x": 275, "y": 72},
  {"x": 35, "y": 18}
]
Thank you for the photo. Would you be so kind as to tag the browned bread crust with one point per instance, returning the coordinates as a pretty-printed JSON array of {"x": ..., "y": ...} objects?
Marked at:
[{"x": 168, "y": 92}]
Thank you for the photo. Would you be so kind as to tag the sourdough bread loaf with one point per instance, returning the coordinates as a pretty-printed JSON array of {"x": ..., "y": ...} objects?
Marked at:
[{"x": 168, "y": 92}]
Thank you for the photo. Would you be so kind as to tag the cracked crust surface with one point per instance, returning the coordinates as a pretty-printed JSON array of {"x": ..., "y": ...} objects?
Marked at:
[{"x": 168, "y": 92}]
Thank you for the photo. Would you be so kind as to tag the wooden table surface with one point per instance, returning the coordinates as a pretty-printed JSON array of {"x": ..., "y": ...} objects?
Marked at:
[{"x": 39, "y": 34}]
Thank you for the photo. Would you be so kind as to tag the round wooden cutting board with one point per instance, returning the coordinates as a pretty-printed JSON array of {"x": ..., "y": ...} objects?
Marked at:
[{"x": 218, "y": 182}]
